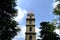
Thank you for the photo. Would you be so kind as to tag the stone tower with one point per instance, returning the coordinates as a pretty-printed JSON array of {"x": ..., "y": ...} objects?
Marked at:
[{"x": 30, "y": 27}]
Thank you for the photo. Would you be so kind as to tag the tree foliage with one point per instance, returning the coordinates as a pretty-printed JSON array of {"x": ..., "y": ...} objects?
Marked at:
[
  {"x": 57, "y": 0},
  {"x": 8, "y": 26},
  {"x": 47, "y": 31},
  {"x": 57, "y": 10}
]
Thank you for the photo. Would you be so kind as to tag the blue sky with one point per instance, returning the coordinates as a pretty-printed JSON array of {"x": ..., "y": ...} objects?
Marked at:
[{"x": 43, "y": 10}]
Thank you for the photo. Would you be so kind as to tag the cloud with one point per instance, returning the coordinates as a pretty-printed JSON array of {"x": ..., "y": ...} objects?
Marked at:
[
  {"x": 21, "y": 14},
  {"x": 57, "y": 31},
  {"x": 55, "y": 4},
  {"x": 37, "y": 33},
  {"x": 21, "y": 34}
]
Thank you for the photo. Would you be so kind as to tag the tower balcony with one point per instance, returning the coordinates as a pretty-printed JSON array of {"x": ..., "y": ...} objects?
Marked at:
[
  {"x": 30, "y": 24},
  {"x": 30, "y": 19},
  {"x": 30, "y": 32}
]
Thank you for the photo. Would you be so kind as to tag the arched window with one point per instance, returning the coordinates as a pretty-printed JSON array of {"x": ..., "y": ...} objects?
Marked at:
[{"x": 30, "y": 37}]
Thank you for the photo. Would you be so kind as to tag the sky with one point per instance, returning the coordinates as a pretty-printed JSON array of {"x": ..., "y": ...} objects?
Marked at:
[{"x": 43, "y": 11}]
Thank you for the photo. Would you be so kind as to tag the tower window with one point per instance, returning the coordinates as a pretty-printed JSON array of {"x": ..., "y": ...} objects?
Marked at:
[
  {"x": 30, "y": 16},
  {"x": 30, "y": 38},
  {"x": 30, "y": 22},
  {"x": 30, "y": 28}
]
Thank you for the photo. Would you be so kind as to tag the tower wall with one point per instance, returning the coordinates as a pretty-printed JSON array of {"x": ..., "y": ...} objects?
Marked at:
[{"x": 30, "y": 33}]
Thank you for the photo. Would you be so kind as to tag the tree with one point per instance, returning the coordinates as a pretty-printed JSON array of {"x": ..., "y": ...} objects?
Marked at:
[
  {"x": 57, "y": 0},
  {"x": 8, "y": 26},
  {"x": 57, "y": 13},
  {"x": 46, "y": 32}
]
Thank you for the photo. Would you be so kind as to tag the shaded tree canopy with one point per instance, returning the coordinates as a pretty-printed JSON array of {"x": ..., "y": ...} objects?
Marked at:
[
  {"x": 8, "y": 26},
  {"x": 57, "y": 10},
  {"x": 46, "y": 32},
  {"x": 8, "y": 8},
  {"x": 57, "y": 13}
]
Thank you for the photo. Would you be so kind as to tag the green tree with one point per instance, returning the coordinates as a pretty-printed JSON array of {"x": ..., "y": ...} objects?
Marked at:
[
  {"x": 8, "y": 26},
  {"x": 57, "y": 13},
  {"x": 46, "y": 32}
]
